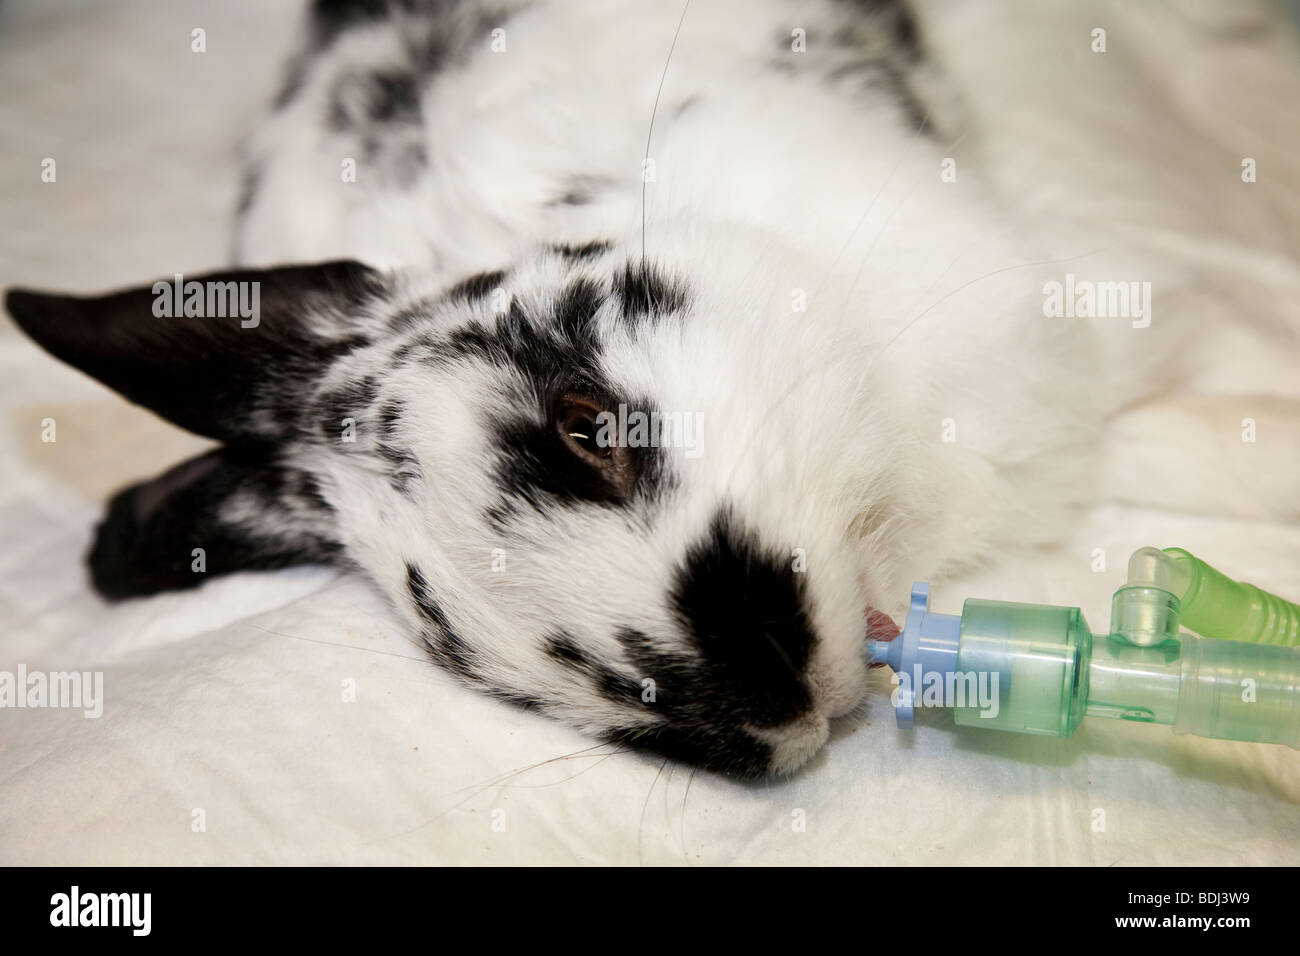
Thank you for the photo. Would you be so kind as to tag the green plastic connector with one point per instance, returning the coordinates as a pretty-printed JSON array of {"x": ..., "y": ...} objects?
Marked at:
[
  {"x": 1038, "y": 669},
  {"x": 1209, "y": 603},
  {"x": 1216, "y": 606}
]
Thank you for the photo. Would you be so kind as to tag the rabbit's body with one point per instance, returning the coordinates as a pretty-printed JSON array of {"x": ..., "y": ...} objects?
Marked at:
[
  {"x": 477, "y": 128},
  {"x": 857, "y": 342}
]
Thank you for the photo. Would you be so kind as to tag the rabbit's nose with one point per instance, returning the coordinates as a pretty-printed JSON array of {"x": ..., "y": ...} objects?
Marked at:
[
  {"x": 743, "y": 607},
  {"x": 880, "y": 627}
]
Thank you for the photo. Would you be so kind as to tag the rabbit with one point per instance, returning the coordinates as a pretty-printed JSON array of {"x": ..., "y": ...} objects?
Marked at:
[{"x": 638, "y": 355}]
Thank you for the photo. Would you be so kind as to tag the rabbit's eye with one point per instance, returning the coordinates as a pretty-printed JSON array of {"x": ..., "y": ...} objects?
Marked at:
[
  {"x": 578, "y": 423},
  {"x": 583, "y": 428}
]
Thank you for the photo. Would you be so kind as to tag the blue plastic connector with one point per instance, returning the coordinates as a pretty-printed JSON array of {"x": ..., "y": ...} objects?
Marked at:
[{"x": 927, "y": 645}]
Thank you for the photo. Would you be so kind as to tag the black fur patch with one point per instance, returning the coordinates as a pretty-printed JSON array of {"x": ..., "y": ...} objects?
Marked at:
[
  {"x": 352, "y": 400},
  {"x": 381, "y": 109},
  {"x": 646, "y": 291},
  {"x": 611, "y": 684},
  {"x": 407, "y": 319},
  {"x": 581, "y": 253},
  {"x": 543, "y": 352},
  {"x": 476, "y": 286},
  {"x": 146, "y": 541},
  {"x": 872, "y": 44},
  {"x": 404, "y": 469},
  {"x": 886, "y": 69},
  {"x": 363, "y": 100},
  {"x": 576, "y": 307},
  {"x": 573, "y": 196},
  {"x": 897, "y": 19},
  {"x": 378, "y": 103},
  {"x": 390, "y": 413},
  {"x": 744, "y": 609},
  {"x": 580, "y": 190},
  {"x": 700, "y": 720},
  {"x": 449, "y": 649},
  {"x": 330, "y": 18},
  {"x": 525, "y": 701},
  {"x": 375, "y": 428},
  {"x": 309, "y": 489}
]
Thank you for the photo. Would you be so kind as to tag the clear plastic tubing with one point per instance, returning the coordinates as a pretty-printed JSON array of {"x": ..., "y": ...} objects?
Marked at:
[
  {"x": 1039, "y": 669},
  {"x": 1211, "y": 603}
]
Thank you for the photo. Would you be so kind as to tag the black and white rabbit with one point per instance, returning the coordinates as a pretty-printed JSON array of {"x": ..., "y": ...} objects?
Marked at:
[{"x": 527, "y": 220}]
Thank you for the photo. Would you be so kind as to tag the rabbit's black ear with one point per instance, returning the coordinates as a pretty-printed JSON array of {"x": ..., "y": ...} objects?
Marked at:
[
  {"x": 225, "y": 355},
  {"x": 233, "y": 509}
]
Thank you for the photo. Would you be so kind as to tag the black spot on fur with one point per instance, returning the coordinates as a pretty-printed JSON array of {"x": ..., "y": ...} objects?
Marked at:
[
  {"x": 308, "y": 487},
  {"x": 580, "y": 190},
  {"x": 744, "y": 609},
  {"x": 330, "y": 18},
  {"x": 563, "y": 648},
  {"x": 390, "y": 413},
  {"x": 377, "y": 101},
  {"x": 545, "y": 349},
  {"x": 905, "y": 34},
  {"x": 408, "y": 318},
  {"x": 576, "y": 307},
  {"x": 572, "y": 197},
  {"x": 366, "y": 100},
  {"x": 698, "y": 722},
  {"x": 395, "y": 98},
  {"x": 882, "y": 46},
  {"x": 918, "y": 114},
  {"x": 381, "y": 109},
  {"x": 525, "y": 701},
  {"x": 872, "y": 44},
  {"x": 449, "y": 649},
  {"x": 581, "y": 253},
  {"x": 897, "y": 19},
  {"x": 612, "y": 685},
  {"x": 477, "y": 286},
  {"x": 404, "y": 469},
  {"x": 646, "y": 291},
  {"x": 352, "y": 400}
]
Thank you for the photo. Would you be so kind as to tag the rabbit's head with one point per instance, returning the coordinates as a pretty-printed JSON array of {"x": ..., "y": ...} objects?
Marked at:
[{"x": 644, "y": 495}]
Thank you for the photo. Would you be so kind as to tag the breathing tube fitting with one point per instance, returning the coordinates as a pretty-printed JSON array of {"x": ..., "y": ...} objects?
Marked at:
[
  {"x": 1210, "y": 603},
  {"x": 1039, "y": 669}
]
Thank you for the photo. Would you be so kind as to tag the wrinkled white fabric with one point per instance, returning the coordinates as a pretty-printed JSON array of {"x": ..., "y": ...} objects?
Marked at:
[{"x": 226, "y": 706}]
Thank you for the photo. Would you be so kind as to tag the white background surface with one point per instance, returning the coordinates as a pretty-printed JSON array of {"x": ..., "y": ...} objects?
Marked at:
[{"x": 229, "y": 699}]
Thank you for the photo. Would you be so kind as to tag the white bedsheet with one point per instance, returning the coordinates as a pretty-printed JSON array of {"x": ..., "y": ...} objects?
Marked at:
[{"x": 230, "y": 700}]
